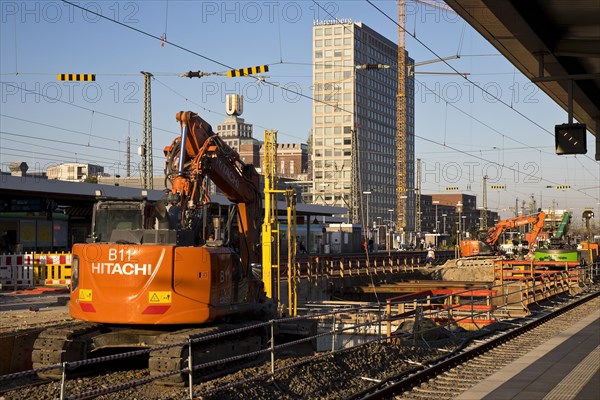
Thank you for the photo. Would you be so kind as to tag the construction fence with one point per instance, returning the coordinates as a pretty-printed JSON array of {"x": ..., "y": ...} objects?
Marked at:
[{"x": 27, "y": 270}]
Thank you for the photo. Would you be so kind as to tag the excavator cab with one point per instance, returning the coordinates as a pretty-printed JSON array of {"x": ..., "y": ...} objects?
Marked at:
[{"x": 118, "y": 221}]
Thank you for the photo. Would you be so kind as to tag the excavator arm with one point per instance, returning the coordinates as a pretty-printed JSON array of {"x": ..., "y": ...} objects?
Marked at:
[
  {"x": 198, "y": 154},
  {"x": 537, "y": 219},
  {"x": 563, "y": 226},
  {"x": 537, "y": 228},
  {"x": 474, "y": 247},
  {"x": 205, "y": 154}
]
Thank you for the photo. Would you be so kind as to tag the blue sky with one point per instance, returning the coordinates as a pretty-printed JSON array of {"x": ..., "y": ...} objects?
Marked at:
[{"x": 462, "y": 132}]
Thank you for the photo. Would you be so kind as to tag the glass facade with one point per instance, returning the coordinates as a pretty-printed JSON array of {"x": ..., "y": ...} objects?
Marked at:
[{"x": 348, "y": 99}]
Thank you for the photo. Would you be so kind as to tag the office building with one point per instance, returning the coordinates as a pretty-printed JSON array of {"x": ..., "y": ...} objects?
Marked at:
[
  {"x": 74, "y": 171},
  {"x": 355, "y": 102}
]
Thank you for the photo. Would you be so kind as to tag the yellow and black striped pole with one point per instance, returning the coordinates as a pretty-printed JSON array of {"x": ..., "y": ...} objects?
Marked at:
[
  {"x": 76, "y": 77},
  {"x": 233, "y": 73}
]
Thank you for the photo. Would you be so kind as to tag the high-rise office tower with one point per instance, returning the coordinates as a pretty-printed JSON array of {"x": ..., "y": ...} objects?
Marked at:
[{"x": 354, "y": 115}]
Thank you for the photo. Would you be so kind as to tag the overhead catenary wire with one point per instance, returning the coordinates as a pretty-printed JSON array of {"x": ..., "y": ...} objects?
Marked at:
[
  {"x": 78, "y": 106},
  {"x": 194, "y": 52},
  {"x": 38, "y": 73},
  {"x": 494, "y": 162},
  {"x": 261, "y": 80},
  {"x": 472, "y": 117},
  {"x": 75, "y": 156},
  {"x": 54, "y": 140},
  {"x": 475, "y": 84},
  {"x": 219, "y": 63},
  {"x": 56, "y": 161},
  {"x": 55, "y": 127},
  {"x": 27, "y": 150},
  {"x": 281, "y": 133},
  {"x": 59, "y": 128},
  {"x": 166, "y": 19},
  {"x": 462, "y": 111}
]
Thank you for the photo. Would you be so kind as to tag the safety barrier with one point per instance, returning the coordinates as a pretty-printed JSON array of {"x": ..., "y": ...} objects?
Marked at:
[
  {"x": 52, "y": 268},
  {"x": 14, "y": 273},
  {"x": 369, "y": 322},
  {"x": 26, "y": 270},
  {"x": 342, "y": 266}
]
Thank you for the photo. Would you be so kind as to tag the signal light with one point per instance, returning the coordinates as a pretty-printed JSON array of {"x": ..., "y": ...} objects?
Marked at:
[
  {"x": 570, "y": 139},
  {"x": 233, "y": 73}
]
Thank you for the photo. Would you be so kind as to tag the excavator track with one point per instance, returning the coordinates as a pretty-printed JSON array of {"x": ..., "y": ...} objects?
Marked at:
[
  {"x": 74, "y": 342},
  {"x": 62, "y": 344},
  {"x": 176, "y": 358}
]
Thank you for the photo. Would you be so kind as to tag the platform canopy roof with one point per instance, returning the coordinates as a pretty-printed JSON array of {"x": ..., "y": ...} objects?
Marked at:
[{"x": 550, "y": 42}]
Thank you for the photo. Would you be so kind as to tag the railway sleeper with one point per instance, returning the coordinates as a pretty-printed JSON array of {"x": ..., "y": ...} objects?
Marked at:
[{"x": 450, "y": 384}]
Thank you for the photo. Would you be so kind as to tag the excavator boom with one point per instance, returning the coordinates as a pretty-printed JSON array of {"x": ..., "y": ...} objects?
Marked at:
[
  {"x": 537, "y": 219},
  {"x": 563, "y": 226},
  {"x": 473, "y": 248}
]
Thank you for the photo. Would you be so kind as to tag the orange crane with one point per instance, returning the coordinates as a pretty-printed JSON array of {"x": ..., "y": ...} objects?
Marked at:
[{"x": 470, "y": 248}]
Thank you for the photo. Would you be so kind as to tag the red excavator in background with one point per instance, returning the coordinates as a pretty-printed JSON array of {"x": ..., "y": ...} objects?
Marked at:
[
  {"x": 167, "y": 271},
  {"x": 487, "y": 244}
]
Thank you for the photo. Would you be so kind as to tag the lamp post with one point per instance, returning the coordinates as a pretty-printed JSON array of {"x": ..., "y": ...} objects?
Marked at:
[
  {"x": 436, "y": 202},
  {"x": 459, "y": 209},
  {"x": 444, "y": 216},
  {"x": 390, "y": 230},
  {"x": 368, "y": 194}
]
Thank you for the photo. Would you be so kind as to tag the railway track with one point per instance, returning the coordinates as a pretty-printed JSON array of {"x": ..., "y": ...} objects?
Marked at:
[
  {"x": 451, "y": 376},
  {"x": 438, "y": 379}
]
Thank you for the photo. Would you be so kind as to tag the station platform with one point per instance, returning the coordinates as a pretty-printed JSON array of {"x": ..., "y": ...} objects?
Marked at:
[{"x": 566, "y": 367}]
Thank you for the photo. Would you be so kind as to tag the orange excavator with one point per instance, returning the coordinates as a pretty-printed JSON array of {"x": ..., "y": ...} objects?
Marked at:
[
  {"x": 167, "y": 271},
  {"x": 486, "y": 246}
]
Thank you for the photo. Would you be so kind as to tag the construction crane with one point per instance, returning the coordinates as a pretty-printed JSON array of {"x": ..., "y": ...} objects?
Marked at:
[
  {"x": 401, "y": 164},
  {"x": 401, "y": 122}
]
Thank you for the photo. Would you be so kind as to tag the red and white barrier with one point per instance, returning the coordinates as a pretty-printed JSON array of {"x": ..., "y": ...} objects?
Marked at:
[
  {"x": 23, "y": 271},
  {"x": 14, "y": 273}
]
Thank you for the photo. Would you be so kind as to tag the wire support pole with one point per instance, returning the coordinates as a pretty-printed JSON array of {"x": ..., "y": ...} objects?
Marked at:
[{"x": 146, "y": 153}]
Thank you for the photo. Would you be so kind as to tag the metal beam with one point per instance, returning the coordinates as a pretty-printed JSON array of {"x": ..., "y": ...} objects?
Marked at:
[{"x": 576, "y": 77}]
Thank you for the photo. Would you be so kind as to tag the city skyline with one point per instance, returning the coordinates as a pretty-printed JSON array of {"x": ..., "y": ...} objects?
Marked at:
[{"x": 461, "y": 133}]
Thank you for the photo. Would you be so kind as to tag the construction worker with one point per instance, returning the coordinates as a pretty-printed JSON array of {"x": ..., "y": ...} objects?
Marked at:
[{"x": 430, "y": 256}]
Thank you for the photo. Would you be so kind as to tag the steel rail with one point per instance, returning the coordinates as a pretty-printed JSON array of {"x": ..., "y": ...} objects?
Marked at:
[{"x": 401, "y": 383}]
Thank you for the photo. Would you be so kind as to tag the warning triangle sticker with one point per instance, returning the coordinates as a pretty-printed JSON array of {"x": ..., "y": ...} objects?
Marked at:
[{"x": 154, "y": 298}]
